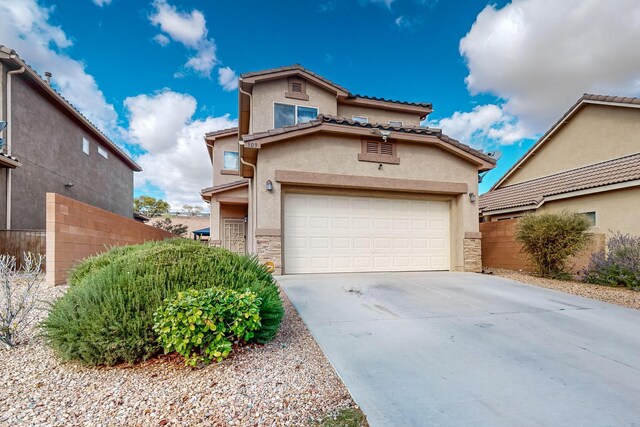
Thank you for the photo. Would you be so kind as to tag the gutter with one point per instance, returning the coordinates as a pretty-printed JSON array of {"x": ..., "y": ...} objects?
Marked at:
[
  {"x": 9, "y": 141},
  {"x": 252, "y": 187}
]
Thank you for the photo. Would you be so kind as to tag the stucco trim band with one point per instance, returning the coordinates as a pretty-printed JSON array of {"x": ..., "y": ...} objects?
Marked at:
[
  {"x": 472, "y": 235},
  {"x": 272, "y": 232},
  {"x": 352, "y": 181}
]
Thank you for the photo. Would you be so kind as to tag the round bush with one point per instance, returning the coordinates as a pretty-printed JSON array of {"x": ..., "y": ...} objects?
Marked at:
[
  {"x": 201, "y": 324},
  {"x": 106, "y": 317}
]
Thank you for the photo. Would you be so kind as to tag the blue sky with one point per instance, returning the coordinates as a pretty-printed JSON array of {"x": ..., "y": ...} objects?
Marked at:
[{"x": 152, "y": 73}]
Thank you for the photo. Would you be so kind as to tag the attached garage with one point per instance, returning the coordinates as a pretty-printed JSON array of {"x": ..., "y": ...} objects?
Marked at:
[{"x": 335, "y": 233}]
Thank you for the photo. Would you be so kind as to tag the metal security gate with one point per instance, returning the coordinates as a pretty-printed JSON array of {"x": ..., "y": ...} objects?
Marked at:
[{"x": 234, "y": 235}]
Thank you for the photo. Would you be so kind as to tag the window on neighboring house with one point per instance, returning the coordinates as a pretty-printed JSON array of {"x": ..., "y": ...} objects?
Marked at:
[
  {"x": 289, "y": 115},
  {"x": 378, "y": 152},
  {"x": 103, "y": 152},
  {"x": 85, "y": 145},
  {"x": 395, "y": 123},
  {"x": 591, "y": 216},
  {"x": 230, "y": 160},
  {"x": 360, "y": 119}
]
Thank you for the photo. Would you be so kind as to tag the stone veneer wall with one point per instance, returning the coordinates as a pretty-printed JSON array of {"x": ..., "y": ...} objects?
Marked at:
[
  {"x": 269, "y": 248},
  {"x": 76, "y": 230},
  {"x": 472, "y": 255}
]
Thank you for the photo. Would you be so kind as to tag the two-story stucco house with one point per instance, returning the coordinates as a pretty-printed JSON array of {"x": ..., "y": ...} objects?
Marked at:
[
  {"x": 588, "y": 162},
  {"x": 51, "y": 147},
  {"x": 321, "y": 180}
]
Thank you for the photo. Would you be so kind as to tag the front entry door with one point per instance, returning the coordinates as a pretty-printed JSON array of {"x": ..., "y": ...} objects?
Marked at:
[{"x": 234, "y": 235}]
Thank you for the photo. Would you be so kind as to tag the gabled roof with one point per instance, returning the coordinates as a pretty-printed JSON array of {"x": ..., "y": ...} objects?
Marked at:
[
  {"x": 9, "y": 54},
  {"x": 531, "y": 194},
  {"x": 587, "y": 98},
  {"x": 224, "y": 187},
  {"x": 294, "y": 67},
  {"x": 323, "y": 119},
  {"x": 393, "y": 101},
  {"x": 221, "y": 133}
]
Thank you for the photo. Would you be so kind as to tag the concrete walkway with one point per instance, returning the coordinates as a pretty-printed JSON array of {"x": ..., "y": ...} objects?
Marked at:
[{"x": 463, "y": 349}]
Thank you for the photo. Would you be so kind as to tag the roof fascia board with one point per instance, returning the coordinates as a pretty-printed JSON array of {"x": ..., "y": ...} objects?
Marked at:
[
  {"x": 569, "y": 195},
  {"x": 387, "y": 105},
  {"x": 286, "y": 73}
]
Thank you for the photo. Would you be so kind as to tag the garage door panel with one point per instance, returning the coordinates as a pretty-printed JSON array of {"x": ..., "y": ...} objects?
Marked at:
[{"x": 340, "y": 234}]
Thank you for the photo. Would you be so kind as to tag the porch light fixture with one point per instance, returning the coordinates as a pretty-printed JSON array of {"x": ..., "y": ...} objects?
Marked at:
[
  {"x": 269, "y": 185},
  {"x": 69, "y": 185},
  {"x": 472, "y": 197}
]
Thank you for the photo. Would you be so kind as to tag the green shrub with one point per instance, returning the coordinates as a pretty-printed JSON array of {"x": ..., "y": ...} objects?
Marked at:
[
  {"x": 550, "y": 239},
  {"x": 619, "y": 265},
  {"x": 107, "y": 316},
  {"x": 201, "y": 324}
]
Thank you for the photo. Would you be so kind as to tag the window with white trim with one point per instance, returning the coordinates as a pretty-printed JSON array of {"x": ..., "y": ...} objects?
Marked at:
[
  {"x": 85, "y": 145},
  {"x": 230, "y": 160},
  {"x": 360, "y": 119},
  {"x": 103, "y": 152},
  {"x": 289, "y": 115}
]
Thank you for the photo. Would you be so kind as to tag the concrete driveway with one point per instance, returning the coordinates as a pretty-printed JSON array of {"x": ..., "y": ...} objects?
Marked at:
[{"x": 463, "y": 349}]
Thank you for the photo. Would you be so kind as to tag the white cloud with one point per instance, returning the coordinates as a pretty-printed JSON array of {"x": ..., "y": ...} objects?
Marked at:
[
  {"x": 539, "y": 56},
  {"x": 189, "y": 29},
  {"x": 387, "y": 3},
  {"x": 102, "y": 2},
  {"x": 25, "y": 28},
  {"x": 482, "y": 127},
  {"x": 177, "y": 161},
  {"x": 228, "y": 79},
  {"x": 161, "y": 39}
]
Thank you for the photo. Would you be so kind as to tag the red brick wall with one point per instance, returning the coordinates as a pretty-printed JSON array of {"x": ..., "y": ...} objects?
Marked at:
[
  {"x": 76, "y": 230},
  {"x": 500, "y": 249}
]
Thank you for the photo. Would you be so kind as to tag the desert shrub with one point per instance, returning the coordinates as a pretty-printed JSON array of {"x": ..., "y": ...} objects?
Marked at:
[
  {"x": 550, "y": 239},
  {"x": 202, "y": 324},
  {"x": 107, "y": 316},
  {"x": 619, "y": 265}
]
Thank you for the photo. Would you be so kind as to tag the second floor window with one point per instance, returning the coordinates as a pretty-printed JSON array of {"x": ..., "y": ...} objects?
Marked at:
[
  {"x": 289, "y": 115},
  {"x": 230, "y": 160}
]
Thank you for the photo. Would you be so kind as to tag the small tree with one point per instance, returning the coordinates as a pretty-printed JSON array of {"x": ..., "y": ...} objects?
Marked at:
[
  {"x": 192, "y": 210},
  {"x": 550, "y": 239},
  {"x": 150, "y": 206},
  {"x": 18, "y": 295},
  {"x": 167, "y": 225}
]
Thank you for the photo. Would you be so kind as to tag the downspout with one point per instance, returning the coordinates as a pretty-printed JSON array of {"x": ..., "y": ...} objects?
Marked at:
[
  {"x": 10, "y": 142},
  {"x": 252, "y": 187}
]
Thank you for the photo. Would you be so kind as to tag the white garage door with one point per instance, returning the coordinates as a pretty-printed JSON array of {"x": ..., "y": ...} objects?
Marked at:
[{"x": 332, "y": 234}]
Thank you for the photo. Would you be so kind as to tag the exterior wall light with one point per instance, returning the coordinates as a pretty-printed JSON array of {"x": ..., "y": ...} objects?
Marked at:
[
  {"x": 472, "y": 197},
  {"x": 269, "y": 185},
  {"x": 69, "y": 185}
]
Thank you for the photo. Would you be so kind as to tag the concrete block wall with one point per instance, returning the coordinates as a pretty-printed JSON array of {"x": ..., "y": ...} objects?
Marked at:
[{"x": 76, "y": 230}]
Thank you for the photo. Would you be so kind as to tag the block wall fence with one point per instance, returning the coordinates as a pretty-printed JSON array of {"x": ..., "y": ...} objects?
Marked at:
[
  {"x": 500, "y": 249},
  {"x": 76, "y": 230}
]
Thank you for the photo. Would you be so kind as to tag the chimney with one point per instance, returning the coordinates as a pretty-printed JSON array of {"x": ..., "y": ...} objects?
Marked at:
[{"x": 47, "y": 76}]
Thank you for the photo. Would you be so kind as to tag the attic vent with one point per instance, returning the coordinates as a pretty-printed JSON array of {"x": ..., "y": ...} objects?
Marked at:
[
  {"x": 386, "y": 149},
  {"x": 372, "y": 147},
  {"x": 296, "y": 87}
]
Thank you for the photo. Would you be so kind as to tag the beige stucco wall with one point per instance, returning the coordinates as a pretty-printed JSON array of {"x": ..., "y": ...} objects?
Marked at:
[
  {"x": 596, "y": 133},
  {"x": 229, "y": 143},
  {"x": 615, "y": 210},
  {"x": 339, "y": 155},
  {"x": 376, "y": 115},
  {"x": 265, "y": 94}
]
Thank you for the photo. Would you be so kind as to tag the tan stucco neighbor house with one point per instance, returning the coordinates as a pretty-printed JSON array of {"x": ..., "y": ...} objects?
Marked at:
[
  {"x": 316, "y": 179},
  {"x": 588, "y": 162}
]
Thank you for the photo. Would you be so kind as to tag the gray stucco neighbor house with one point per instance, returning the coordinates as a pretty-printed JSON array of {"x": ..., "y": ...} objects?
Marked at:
[{"x": 51, "y": 147}]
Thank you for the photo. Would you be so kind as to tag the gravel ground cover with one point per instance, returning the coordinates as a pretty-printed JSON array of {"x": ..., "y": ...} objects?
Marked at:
[
  {"x": 620, "y": 296},
  {"x": 286, "y": 382}
]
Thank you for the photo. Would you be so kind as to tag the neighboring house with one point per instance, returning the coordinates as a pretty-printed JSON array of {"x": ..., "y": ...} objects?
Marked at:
[
  {"x": 58, "y": 150},
  {"x": 588, "y": 162},
  {"x": 316, "y": 179}
]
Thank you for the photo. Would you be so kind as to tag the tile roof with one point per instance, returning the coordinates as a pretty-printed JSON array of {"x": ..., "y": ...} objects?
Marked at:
[
  {"x": 533, "y": 192},
  {"x": 10, "y": 160},
  {"x": 332, "y": 83},
  {"x": 394, "y": 101},
  {"x": 64, "y": 101},
  {"x": 221, "y": 132},
  {"x": 417, "y": 130},
  {"x": 223, "y": 187},
  {"x": 585, "y": 98}
]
